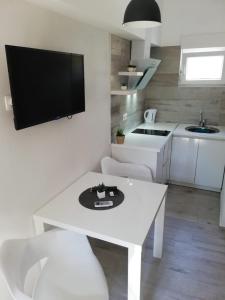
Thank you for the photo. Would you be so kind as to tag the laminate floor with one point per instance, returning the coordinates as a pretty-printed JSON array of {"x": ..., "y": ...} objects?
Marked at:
[
  {"x": 193, "y": 264},
  {"x": 193, "y": 205}
]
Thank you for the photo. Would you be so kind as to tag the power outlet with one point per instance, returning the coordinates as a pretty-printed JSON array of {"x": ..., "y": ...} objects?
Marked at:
[{"x": 125, "y": 117}]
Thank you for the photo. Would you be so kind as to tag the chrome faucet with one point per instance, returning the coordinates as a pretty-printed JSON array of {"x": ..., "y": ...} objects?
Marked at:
[{"x": 202, "y": 121}]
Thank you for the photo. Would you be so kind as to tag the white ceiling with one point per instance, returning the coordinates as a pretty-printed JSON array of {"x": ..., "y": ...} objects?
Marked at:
[
  {"x": 105, "y": 14},
  {"x": 180, "y": 17}
]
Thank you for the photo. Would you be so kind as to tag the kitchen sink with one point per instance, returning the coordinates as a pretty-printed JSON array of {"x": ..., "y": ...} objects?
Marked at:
[{"x": 198, "y": 129}]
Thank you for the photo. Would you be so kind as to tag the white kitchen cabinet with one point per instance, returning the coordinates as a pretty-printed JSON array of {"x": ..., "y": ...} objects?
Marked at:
[
  {"x": 183, "y": 159},
  {"x": 210, "y": 163},
  {"x": 198, "y": 162},
  {"x": 165, "y": 172},
  {"x": 167, "y": 151},
  {"x": 222, "y": 206}
]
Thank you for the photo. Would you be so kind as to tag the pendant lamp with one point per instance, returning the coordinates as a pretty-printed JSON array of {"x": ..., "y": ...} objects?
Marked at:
[{"x": 142, "y": 14}]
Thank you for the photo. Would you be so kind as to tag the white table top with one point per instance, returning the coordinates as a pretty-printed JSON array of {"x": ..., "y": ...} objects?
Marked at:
[{"x": 124, "y": 225}]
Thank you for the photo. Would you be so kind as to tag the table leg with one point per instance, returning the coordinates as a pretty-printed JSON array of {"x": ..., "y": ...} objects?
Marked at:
[
  {"x": 158, "y": 231},
  {"x": 134, "y": 272}
]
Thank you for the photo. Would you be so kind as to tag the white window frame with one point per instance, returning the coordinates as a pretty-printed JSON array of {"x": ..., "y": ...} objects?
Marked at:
[{"x": 200, "y": 52}]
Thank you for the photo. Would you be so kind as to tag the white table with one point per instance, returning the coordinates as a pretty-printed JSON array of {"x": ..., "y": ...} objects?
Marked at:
[{"x": 126, "y": 225}]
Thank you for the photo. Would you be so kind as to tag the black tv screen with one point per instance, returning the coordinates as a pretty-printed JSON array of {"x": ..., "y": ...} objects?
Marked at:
[{"x": 45, "y": 85}]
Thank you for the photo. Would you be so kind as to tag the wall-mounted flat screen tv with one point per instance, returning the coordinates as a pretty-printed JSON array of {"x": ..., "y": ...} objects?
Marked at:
[{"x": 45, "y": 85}]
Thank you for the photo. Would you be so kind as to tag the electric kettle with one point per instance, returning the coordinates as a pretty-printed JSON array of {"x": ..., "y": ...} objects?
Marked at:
[{"x": 150, "y": 115}]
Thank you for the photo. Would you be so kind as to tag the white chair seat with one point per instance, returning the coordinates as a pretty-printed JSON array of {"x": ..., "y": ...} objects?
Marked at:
[
  {"x": 61, "y": 280},
  {"x": 72, "y": 271}
]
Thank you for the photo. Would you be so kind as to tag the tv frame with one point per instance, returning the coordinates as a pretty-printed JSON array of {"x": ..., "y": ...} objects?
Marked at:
[{"x": 13, "y": 96}]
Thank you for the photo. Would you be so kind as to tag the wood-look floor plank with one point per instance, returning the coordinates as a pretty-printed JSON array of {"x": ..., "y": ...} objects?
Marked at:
[{"x": 193, "y": 264}]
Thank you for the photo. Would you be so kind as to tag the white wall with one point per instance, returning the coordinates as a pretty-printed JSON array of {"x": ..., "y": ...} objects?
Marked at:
[
  {"x": 188, "y": 17},
  {"x": 101, "y": 13},
  {"x": 38, "y": 162},
  {"x": 203, "y": 41}
]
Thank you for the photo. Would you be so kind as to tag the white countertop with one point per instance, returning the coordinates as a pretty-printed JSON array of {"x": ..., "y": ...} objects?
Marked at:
[
  {"x": 156, "y": 143},
  {"x": 180, "y": 131},
  {"x": 150, "y": 142}
]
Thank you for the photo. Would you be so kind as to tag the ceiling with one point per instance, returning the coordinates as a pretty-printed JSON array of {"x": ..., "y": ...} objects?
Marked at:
[{"x": 105, "y": 14}]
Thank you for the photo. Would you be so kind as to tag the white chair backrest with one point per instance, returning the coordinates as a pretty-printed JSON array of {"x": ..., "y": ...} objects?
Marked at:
[
  {"x": 111, "y": 166},
  {"x": 18, "y": 256}
]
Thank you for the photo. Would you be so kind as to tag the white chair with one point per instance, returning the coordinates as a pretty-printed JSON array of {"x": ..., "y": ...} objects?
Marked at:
[
  {"x": 71, "y": 272},
  {"x": 111, "y": 166}
]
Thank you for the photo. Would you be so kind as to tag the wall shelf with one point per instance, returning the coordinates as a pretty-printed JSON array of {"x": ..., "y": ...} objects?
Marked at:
[
  {"x": 134, "y": 74},
  {"x": 138, "y": 80},
  {"x": 123, "y": 93}
]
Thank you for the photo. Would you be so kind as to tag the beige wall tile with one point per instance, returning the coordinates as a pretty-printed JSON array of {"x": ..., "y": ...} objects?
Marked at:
[
  {"x": 181, "y": 104},
  {"x": 132, "y": 105}
]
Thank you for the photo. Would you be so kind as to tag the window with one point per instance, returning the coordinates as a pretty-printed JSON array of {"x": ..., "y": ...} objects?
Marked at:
[{"x": 203, "y": 66}]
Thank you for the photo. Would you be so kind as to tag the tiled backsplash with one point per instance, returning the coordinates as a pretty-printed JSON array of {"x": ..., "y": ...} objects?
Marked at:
[
  {"x": 181, "y": 104},
  {"x": 132, "y": 105}
]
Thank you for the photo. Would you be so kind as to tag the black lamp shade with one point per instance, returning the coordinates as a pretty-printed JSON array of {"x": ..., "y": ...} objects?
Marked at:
[{"x": 142, "y": 14}]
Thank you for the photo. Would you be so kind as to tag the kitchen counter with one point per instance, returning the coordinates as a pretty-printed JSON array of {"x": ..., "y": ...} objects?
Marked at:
[
  {"x": 150, "y": 142},
  {"x": 183, "y": 157},
  {"x": 180, "y": 131},
  {"x": 151, "y": 150}
]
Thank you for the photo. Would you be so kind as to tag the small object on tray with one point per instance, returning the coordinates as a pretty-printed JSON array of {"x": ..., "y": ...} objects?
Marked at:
[
  {"x": 101, "y": 195},
  {"x": 103, "y": 188},
  {"x": 103, "y": 203},
  {"x": 111, "y": 197}
]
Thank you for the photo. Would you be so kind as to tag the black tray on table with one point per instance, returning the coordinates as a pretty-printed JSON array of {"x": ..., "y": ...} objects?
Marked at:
[{"x": 89, "y": 197}]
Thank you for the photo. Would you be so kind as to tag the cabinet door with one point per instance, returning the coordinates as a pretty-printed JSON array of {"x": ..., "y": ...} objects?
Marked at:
[
  {"x": 183, "y": 159},
  {"x": 167, "y": 151},
  {"x": 222, "y": 206},
  {"x": 165, "y": 172},
  {"x": 210, "y": 163}
]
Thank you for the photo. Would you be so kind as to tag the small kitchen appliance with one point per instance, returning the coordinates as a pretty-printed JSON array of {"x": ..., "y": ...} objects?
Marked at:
[{"x": 150, "y": 115}]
